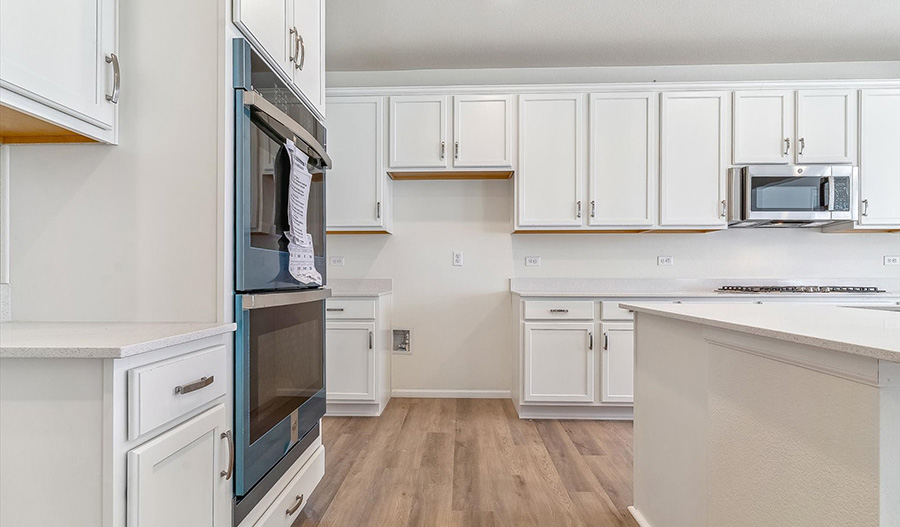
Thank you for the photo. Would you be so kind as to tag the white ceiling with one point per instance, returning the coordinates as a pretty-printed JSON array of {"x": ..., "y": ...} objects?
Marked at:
[{"x": 453, "y": 34}]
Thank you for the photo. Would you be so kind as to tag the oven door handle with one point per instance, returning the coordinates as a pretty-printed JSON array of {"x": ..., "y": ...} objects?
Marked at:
[
  {"x": 255, "y": 100},
  {"x": 264, "y": 300}
]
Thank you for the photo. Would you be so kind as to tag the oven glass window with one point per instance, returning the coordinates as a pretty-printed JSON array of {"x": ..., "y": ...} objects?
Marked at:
[
  {"x": 787, "y": 194},
  {"x": 286, "y": 361}
]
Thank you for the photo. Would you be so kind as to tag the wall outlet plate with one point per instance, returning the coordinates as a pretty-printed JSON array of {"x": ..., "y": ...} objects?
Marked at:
[
  {"x": 892, "y": 260},
  {"x": 532, "y": 261},
  {"x": 336, "y": 261},
  {"x": 665, "y": 260},
  {"x": 457, "y": 258}
]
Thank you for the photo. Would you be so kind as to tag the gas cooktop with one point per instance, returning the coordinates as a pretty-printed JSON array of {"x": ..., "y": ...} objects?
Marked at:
[{"x": 766, "y": 289}]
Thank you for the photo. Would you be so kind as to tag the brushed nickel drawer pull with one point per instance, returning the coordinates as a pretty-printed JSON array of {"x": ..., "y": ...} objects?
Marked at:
[
  {"x": 227, "y": 473},
  {"x": 606, "y": 340},
  {"x": 295, "y": 506},
  {"x": 370, "y": 340},
  {"x": 113, "y": 59},
  {"x": 338, "y": 309},
  {"x": 196, "y": 385},
  {"x": 559, "y": 310}
]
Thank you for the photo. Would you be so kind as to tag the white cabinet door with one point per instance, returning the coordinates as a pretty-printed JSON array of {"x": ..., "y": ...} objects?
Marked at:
[
  {"x": 482, "y": 131},
  {"x": 617, "y": 362},
  {"x": 694, "y": 159},
  {"x": 267, "y": 23},
  {"x": 418, "y": 132},
  {"x": 355, "y": 186},
  {"x": 560, "y": 362},
  {"x": 623, "y": 158},
  {"x": 309, "y": 51},
  {"x": 826, "y": 126},
  {"x": 177, "y": 478},
  {"x": 54, "y": 52},
  {"x": 350, "y": 361},
  {"x": 550, "y": 178},
  {"x": 879, "y": 164},
  {"x": 763, "y": 127}
]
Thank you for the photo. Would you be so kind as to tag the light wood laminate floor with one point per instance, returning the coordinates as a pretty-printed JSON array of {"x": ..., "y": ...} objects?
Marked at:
[{"x": 471, "y": 463}]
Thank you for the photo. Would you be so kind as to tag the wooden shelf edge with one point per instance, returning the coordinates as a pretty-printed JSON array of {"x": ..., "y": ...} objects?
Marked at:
[
  {"x": 20, "y": 128},
  {"x": 439, "y": 176},
  {"x": 614, "y": 231}
]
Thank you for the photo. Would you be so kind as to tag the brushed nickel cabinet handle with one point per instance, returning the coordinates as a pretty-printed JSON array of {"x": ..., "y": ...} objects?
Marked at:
[
  {"x": 114, "y": 96},
  {"x": 724, "y": 208},
  {"x": 865, "y": 203},
  {"x": 378, "y": 210},
  {"x": 292, "y": 55},
  {"x": 227, "y": 473},
  {"x": 203, "y": 382},
  {"x": 302, "y": 51},
  {"x": 591, "y": 340},
  {"x": 787, "y": 145},
  {"x": 578, "y": 209},
  {"x": 802, "y": 146},
  {"x": 370, "y": 339},
  {"x": 559, "y": 310},
  {"x": 443, "y": 146},
  {"x": 593, "y": 209},
  {"x": 293, "y": 508},
  {"x": 338, "y": 309},
  {"x": 456, "y": 150},
  {"x": 606, "y": 341}
]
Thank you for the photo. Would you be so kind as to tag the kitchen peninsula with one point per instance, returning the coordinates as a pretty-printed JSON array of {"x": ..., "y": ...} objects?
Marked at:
[{"x": 773, "y": 414}]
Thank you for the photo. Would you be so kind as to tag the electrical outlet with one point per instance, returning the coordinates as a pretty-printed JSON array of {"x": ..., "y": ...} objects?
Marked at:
[
  {"x": 532, "y": 261},
  {"x": 457, "y": 258},
  {"x": 336, "y": 261},
  {"x": 892, "y": 260},
  {"x": 665, "y": 260}
]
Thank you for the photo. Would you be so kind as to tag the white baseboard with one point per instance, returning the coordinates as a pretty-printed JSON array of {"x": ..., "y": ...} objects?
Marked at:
[
  {"x": 452, "y": 394},
  {"x": 606, "y": 413},
  {"x": 638, "y": 517}
]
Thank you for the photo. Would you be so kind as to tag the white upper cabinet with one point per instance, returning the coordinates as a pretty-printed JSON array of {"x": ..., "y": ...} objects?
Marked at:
[
  {"x": 356, "y": 184},
  {"x": 879, "y": 164},
  {"x": 418, "y": 132},
  {"x": 309, "y": 51},
  {"x": 482, "y": 131},
  {"x": 290, "y": 35},
  {"x": 763, "y": 127},
  {"x": 694, "y": 159},
  {"x": 623, "y": 150},
  {"x": 826, "y": 126},
  {"x": 58, "y": 62},
  {"x": 550, "y": 180}
]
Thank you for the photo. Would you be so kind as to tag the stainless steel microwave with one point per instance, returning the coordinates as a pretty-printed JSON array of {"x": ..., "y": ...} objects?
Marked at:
[{"x": 791, "y": 196}]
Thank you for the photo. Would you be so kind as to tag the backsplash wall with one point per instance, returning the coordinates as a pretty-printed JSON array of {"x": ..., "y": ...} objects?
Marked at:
[{"x": 460, "y": 316}]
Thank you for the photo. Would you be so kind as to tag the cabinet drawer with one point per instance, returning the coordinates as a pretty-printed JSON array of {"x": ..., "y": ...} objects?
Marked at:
[
  {"x": 288, "y": 505},
  {"x": 350, "y": 309},
  {"x": 610, "y": 310},
  {"x": 166, "y": 390},
  {"x": 564, "y": 309}
]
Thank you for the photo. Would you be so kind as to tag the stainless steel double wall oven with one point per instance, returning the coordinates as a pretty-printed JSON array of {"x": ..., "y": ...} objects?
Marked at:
[{"x": 279, "y": 364}]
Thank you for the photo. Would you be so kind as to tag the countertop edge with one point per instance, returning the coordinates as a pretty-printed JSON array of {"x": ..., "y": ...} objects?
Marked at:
[{"x": 835, "y": 345}]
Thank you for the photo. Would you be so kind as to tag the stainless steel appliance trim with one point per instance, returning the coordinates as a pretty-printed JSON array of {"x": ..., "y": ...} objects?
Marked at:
[
  {"x": 203, "y": 382},
  {"x": 264, "y": 300},
  {"x": 114, "y": 96},
  {"x": 227, "y": 473},
  {"x": 254, "y": 99}
]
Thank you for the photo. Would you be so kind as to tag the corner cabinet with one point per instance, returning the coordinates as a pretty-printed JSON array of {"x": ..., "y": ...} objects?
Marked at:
[
  {"x": 358, "y": 188},
  {"x": 59, "y": 71},
  {"x": 550, "y": 179},
  {"x": 694, "y": 154},
  {"x": 177, "y": 478},
  {"x": 290, "y": 36}
]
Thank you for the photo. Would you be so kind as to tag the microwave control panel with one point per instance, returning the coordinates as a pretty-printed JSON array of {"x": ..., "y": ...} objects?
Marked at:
[{"x": 841, "y": 194}]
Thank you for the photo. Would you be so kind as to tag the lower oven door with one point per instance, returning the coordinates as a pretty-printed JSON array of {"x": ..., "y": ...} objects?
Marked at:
[{"x": 279, "y": 377}]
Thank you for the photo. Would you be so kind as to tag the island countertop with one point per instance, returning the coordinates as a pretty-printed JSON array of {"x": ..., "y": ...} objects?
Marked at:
[
  {"x": 98, "y": 340},
  {"x": 867, "y": 332}
]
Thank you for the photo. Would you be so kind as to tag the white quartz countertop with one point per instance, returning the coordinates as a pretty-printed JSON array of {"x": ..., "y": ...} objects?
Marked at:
[
  {"x": 868, "y": 332},
  {"x": 98, "y": 340},
  {"x": 360, "y": 287}
]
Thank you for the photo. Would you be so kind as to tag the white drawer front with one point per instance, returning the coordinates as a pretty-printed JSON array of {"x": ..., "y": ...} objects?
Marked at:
[
  {"x": 350, "y": 309},
  {"x": 610, "y": 310},
  {"x": 563, "y": 309},
  {"x": 166, "y": 390},
  {"x": 288, "y": 505}
]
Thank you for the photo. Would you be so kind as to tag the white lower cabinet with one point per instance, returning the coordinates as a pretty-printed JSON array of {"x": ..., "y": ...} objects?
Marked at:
[
  {"x": 182, "y": 476},
  {"x": 293, "y": 499},
  {"x": 560, "y": 362},
  {"x": 358, "y": 355},
  {"x": 617, "y": 362}
]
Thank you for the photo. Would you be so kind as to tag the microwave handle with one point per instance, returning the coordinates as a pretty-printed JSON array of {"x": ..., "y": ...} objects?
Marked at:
[{"x": 829, "y": 197}]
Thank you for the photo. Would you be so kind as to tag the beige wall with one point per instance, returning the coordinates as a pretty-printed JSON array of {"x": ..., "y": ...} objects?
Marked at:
[{"x": 460, "y": 316}]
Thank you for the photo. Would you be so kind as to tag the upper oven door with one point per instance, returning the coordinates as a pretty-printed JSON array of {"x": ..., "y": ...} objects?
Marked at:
[
  {"x": 788, "y": 193},
  {"x": 279, "y": 377},
  {"x": 268, "y": 115}
]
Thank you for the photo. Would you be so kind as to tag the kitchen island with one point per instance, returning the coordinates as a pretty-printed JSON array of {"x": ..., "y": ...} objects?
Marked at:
[{"x": 783, "y": 415}]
